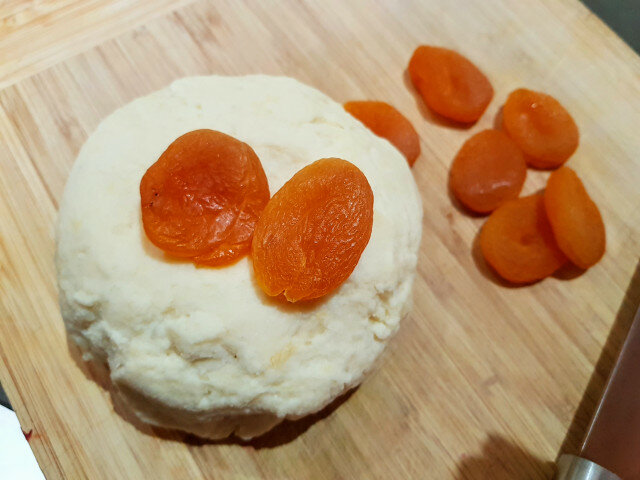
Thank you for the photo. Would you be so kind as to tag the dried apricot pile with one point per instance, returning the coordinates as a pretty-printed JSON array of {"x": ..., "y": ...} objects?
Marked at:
[
  {"x": 313, "y": 230},
  {"x": 541, "y": 127},
  {"x": 207, "y": 199},
  {"x": 201, "y": 200},
  {"x": 517, "y": 241},
  {"x": 547, "y": 136},
  {"x": 449, "y": 83},
  {"x": 207, "y": 196},
  {"x": 575, "y": 219},
  {"x": 488, "y": 170},
  {"x": 387, "y": 122},
  {"x": 528, "y": 239},
  {"x": 524, "y": 239}
]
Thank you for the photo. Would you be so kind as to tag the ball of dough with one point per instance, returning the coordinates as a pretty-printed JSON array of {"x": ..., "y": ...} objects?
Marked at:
[{"x": 203, "y": 349}]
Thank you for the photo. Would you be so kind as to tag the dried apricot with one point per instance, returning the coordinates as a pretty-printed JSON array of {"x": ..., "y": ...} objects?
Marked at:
[
  {"x": 541, "y": 127},
  {"x": 203, "y": 197},
  {"x": 488, "y": 170},
  {"x": 576, "y": 221},
  {"x": 387, "y": 122},
  {"x": 313, "y": 231},
  {"x": 518, "y": 243},
  {"x": 449, "y": 83}
]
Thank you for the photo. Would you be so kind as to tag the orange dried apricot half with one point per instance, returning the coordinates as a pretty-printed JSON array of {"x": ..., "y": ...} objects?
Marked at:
[
  {"x": 488, "y": 170},
  {"x": 541, "y": 127},
  {"x": 312, "y": 232},
  {"x": 518, "y": 243},
  {"x": 575, "y": 219},
  {"x": 449, "y": 83},
  {"x": 387, "y": 122},
  {"x": 202, "y": 198}
]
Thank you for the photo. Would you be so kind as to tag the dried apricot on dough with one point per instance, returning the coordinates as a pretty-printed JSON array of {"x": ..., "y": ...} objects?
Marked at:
[
  {"x": 518, "y": 243},
  {"x": 313, "y": 231},
  {"x": 387, "y": 122},
  {"x": 449, "y": 83},
  {"x": 541, "y": 127},
  {"x": 488, "y": 170},
  {"x": 203, "y": 197},
  {"x": 575, "y": 219}
]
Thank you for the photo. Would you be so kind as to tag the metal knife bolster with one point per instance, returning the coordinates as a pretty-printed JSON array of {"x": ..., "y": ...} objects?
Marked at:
[
  {"x": 571, "y": 467},
  {"x": 613, "y": 438}
]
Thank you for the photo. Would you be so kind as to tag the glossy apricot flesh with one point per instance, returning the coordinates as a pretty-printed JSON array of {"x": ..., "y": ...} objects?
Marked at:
[
  {"x": 387, "y": 122},
  {"x": 541, "y": 127},
  {"x": 575, "y": 219},
  {"x": 517, "y": 241},
  {"x": 488, "y": 170},
  {"x": 449, "y": 83},
  {"x": 202, "y": 198},
  {"x": 313, "y": 230}
]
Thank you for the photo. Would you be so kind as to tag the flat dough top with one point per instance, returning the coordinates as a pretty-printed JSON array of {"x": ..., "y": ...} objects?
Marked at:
[{"x": 208, "y": 339}]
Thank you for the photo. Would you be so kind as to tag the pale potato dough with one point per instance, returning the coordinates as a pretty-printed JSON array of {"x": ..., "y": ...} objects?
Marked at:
[{"x": 203, "y": 349}]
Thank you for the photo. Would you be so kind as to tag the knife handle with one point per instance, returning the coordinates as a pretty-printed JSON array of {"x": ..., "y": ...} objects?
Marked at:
[{"x": 571, "y": 467}]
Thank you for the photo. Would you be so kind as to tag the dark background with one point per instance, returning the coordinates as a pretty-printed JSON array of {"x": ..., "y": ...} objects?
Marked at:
[
  {"x": 3, "y": 398},
  {"x": 623, "y": 16}
]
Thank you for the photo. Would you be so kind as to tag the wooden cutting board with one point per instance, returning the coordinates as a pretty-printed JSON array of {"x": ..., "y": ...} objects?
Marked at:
[{"x": 482, "y": 381}]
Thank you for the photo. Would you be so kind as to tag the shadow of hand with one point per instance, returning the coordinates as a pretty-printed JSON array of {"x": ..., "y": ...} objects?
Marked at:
[{"x": 502, "y": 460}]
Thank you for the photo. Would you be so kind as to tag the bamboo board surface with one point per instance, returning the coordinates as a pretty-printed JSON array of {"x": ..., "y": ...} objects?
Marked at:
[
  {"x": 482, "y": 381},
  {"x": 35, "y": 34}
]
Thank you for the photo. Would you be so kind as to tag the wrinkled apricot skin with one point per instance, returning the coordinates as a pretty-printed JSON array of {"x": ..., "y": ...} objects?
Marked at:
[
  {"x": 541, "y": 127},
  {"x": 202, "y": 198},
  {"x": 488, "y": 170},
  {"x": 312, "y": 232},
  {"x": 387, "y": 122},
  {"x": 450, "y": 84},
  {"x": 518, "y": 243},
  {"x": 575, "y": 219}
]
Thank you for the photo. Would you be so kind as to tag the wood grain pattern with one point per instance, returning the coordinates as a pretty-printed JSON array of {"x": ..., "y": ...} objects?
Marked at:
[
  {"x": 482, "y": 380},
  {"x": 35, "y": 34}
]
